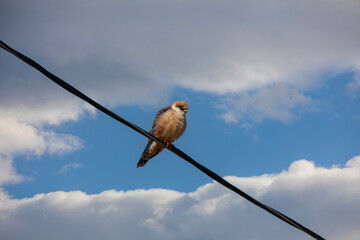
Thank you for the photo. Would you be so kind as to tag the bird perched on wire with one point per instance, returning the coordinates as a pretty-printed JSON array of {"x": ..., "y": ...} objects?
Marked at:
[{"x": 169, "y": 125}]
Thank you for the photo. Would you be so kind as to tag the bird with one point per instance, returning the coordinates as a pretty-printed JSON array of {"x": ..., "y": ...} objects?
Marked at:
[{"x": 168, "y": 126}]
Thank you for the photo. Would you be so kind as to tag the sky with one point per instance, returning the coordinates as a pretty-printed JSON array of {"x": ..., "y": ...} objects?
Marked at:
[{"x": 273, "y": 89}]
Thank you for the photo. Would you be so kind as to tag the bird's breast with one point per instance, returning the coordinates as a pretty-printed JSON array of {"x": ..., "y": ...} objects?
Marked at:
[{"x": 171, "y": 126}]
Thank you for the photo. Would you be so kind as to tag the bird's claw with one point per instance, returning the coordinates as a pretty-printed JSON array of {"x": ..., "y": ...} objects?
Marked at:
[{"x": 168, "y": 144}]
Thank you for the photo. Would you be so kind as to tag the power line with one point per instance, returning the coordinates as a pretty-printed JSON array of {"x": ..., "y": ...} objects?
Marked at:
[{"x": 173, "y": 149}]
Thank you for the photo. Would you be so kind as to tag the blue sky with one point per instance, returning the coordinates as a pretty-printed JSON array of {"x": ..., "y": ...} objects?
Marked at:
[
  {"x": 110, "y": 149},
  {"x": 273, "y": 91}
]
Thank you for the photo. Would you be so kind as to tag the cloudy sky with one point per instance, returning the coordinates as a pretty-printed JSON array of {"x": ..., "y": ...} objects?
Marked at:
[{"x": 273, "y": 89}]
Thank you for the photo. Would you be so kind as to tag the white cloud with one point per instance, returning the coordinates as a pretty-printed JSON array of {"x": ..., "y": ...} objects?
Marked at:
[
  {"x": 121, "y": 52},
  {"x": 353, "y": 87},
  {"x": 7, "y": 171},
  {"x": 276, "y": 103},
  {"x": 323, "y": 199},
  {"x": 22, "y": 138},
  {"x": 212, "y": 46},
  {"x": 27, "y": 114},
  {"x": 135, "y": 52},
  {"x": 70, "y": 166}
]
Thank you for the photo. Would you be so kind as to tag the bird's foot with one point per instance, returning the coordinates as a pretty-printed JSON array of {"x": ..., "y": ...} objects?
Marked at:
[{"x": 168, "y": 144}]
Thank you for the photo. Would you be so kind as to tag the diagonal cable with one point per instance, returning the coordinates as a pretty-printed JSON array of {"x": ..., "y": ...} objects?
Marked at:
[{"x": 173, "y": 149}]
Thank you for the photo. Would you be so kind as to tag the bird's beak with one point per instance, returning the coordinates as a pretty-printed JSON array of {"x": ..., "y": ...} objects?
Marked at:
[{"x": 185, "y": 110}]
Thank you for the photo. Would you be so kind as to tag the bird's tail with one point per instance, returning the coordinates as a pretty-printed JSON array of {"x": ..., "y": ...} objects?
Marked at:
[
  {"x": 146, "y": 156},
  {"x": 144, "y": 159},
  {"x": 142, "y": 162}
]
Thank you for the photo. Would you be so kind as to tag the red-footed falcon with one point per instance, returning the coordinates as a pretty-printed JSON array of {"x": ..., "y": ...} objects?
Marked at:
[{"x": 169, "y": 125}]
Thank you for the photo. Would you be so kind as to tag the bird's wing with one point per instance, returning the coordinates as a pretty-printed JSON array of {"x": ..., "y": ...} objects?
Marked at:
[
  {"x": 146, "y": 156},
  {"x": 161, "y": 112},
  {"x": 147, "y": 146},
  {"x": 152, "y": 131}
]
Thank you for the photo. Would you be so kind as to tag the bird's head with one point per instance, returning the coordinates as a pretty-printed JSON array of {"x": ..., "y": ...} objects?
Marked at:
[{"x": 179, "y": 106}]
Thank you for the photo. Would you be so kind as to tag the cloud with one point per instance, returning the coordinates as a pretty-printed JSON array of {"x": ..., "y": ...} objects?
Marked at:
[
  {"x": 18, "y": 137},
  {"x": 129, "y": 53},
  {"x": 22, "y": 138},
  {"x": 26, "y": 130},
  {"x": 353, "y": 87},
  {"x": 137, "y": 53},
  {"x": 323, "y": 199},
  {"x": 276, "y": 103},
  {"x": 70, "y": 166},
  {"x": 7, "y": 171},
  {"x": 232, "y": 46},
  {"x": 27, "y": 115}
]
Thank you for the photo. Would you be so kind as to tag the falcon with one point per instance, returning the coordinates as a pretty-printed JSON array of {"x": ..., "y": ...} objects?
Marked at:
[{"x": 169, "y": 125}]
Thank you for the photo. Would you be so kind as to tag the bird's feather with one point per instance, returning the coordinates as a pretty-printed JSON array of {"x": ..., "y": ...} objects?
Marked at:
[
  {"x": 169, "y": 124},
  {"x": 160, "y": 112}
]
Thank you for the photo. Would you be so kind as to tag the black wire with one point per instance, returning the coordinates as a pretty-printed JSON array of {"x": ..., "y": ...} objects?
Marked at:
[{"x": 173, "y": 149}]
